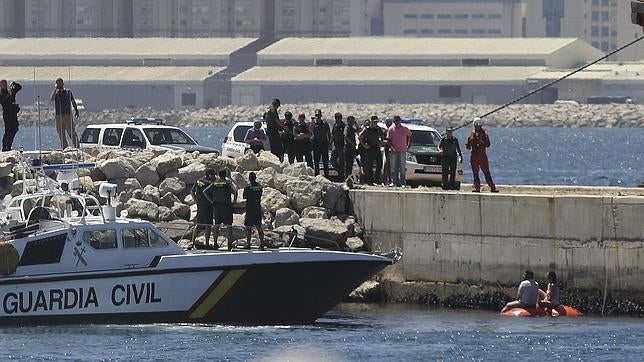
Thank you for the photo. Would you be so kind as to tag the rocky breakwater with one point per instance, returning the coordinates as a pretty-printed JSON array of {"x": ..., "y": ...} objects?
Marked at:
[{"x": 156, "y": 186}]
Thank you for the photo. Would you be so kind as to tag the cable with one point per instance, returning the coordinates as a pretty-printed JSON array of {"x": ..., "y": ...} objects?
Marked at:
[{"x": 553, "y": 82}]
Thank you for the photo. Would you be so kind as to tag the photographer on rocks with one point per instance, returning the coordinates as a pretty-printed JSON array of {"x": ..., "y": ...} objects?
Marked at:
[
  {"x": 64, "y": 100},
  {"x": 9, "y": 112}
]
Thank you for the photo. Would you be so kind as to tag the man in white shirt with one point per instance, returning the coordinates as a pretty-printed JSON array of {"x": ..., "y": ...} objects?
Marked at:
[{"x": 527, "y": 295}]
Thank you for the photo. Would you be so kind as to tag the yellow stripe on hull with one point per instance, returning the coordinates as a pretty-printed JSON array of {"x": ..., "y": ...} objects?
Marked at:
[{"x": 215, "y": 296}]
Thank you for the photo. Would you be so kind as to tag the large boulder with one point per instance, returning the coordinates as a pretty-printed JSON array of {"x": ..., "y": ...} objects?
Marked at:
[
  {"x": 286, "y": 216},
  {"x": 355, "y": 244},
  {"x": 325, "y": 233},
  {"x": 315, "y": 212},
  {"x": 335, "y": 198},
  {"x": 87, "y": 183},
  {"x": 248, "y": 162},
  {"x": 189, "y": 200},
  {"x": 116, "y": 168},
  {"x": 177, "y": 229},
  {"x": 142, "y": 209},
  {"x": 168, "y": 200},
  {"x": 151, "y": 193},
  {"x": 181, "y": 210},
  {"x": 191, "y": 173},
  {"x": 6, "y": 185},
  {"x": 265, "y": 177},
  {"x": 167, "y": 162},
  {"x": 97, "y": 174},
  {"x": 165, "y": 214},
  {"x": 131, "y": 184},
  {"x": 298, "y": 169},
  {"x": 303, "y": 193},
  {"x": 239, "y": 179},
  {"x": 173, "y": 185},
  {"x": 280, "y": 180},
  {"x": 273, "y": 199},
  {"x": 268, "y": 160},
  {"x": 287, "y": 233},
  {"x": 212, "y": 161}
]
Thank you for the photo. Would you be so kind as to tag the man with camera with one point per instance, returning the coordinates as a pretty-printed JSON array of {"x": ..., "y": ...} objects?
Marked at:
[
  {"x": 9, "y": 112},
  {"x": 64, "y": 100}
]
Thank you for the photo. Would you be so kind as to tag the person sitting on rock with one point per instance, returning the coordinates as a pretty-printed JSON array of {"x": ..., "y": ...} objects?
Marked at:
[
  {"x": 223, "y": 205},
  {"x": 255, "y": 137},
  {"x": 202, "y": 194},
  {"x": 527, "y": 295},
  {"x": 253, "y": 197}
]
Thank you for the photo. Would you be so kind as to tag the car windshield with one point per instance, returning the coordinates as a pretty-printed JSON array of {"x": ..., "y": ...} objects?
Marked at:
[
  {"x": 168, "y": 136},
  {"x": 425, "y": 138}
]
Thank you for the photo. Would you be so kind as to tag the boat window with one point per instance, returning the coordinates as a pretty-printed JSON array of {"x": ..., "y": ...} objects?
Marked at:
[
  {"x": 101, "y": 239},
  {"x": 112, "y": 136},
  {"x": 135, "y": 238},
  {"x": 44, "y": 250},
  {"x": 156, "y": 239},
  {"x": 90, "y": 135}
]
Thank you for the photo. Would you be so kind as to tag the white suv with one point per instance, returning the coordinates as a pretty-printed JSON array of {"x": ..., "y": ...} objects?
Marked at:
[{"x": 142, "y": 133}]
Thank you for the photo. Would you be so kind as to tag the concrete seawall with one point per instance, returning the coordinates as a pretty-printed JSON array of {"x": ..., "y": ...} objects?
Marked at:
[{"x": 593, "y": 240}]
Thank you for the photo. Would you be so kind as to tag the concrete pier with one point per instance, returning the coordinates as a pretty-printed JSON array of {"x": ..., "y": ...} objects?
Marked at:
[{"x": 592, "y": 237}]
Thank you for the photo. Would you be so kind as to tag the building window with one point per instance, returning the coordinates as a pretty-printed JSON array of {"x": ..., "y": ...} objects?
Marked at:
[
  {"x": 461, "y": 16},
  {"x": 449, "y": 91},
  {"x": 478, "y": 31},
  {"x": 410, "y": 31},
  {"x": 595, "y": 44},
  {"x": 410, "y": 16},
  {"x": 604, "y": 15},
  {"x": 444, "y": 31},
  {"x": 427, "y": 16},
  {"x": 478, "y": 16},
  {"x": 605, "y": 31},
  {"x": 604, "y": 2},
  {"x": 460, "y": 31},
  {"x": 495, "y": 16},
  {"x": 604, "y": 46},
  {"x": 613, "y": 33},
  {"x": 595, "y": 16},
  {"x": 427, "y": 31},
  {"x": 613, "y": 46},
  {"x": 475, "y": 62},
  {"x": 595, "y": 2},
  {"x": 494, "y": 31},
  {"x": 444, "y": 16},
  {"x": 327, "y": 62},
  {"x": 594, "y": 31},
  {"x": 188, "y": 99}
]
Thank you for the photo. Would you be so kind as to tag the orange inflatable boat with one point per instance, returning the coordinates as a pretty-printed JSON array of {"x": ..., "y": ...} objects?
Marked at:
[{"x": 560, "y": 311}]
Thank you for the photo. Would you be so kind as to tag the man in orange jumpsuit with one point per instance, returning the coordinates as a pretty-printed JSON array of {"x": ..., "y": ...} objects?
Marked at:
[{"x": 478, "y": 141}]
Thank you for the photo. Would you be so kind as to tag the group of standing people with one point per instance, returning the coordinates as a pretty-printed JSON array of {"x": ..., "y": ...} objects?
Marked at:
[
  {"x": 63, "y": 102},
  {"x": 215, "y": 196}
]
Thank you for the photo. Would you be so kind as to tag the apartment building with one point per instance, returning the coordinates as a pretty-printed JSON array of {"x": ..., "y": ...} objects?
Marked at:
[
  {"x": 453, "y": 18},
  {"x": 605, "y": 24}
]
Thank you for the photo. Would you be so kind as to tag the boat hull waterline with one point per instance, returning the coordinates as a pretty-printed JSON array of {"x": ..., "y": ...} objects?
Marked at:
[{"x": 258, "y": 294}]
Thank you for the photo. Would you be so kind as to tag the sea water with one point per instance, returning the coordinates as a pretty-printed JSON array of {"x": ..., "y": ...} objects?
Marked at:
[{"x": 521, "y": 156}]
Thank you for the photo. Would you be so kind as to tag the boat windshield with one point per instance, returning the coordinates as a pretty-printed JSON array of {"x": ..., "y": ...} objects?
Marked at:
[
  {"x": 168, "y": 136},
  {"x": 425, "y": 138}
]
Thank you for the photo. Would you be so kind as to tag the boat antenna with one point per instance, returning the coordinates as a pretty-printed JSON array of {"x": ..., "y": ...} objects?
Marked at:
[{"x": 553, "y": 82}]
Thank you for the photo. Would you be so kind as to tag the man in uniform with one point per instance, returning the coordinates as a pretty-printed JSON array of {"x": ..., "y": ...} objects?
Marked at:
[
  {"x": 287, "y": 136},
  {"x": 273, "y": 128},
  {"x": 449, "y": 149},
  {"x": 371, "y": 141},
  {"x": 253, "y": 197},
  {"x": 321, "y": 140},
  {"x": 202, "y": 194},
  {"x": 9, "y": 112},
  {"x": 302, "y": 141},
  {"x": 222, "y": 189},
  {"x": 478, "y": 141},
  {"x": 349, "y": 145},
  {"x": 337, "y": 137}
]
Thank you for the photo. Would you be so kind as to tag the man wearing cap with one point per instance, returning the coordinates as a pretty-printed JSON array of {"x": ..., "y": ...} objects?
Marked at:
[
  {"x": 321, "y": 141},
  {"x": 337, "y": 138},
  {"x": 478, "y": 141},
  {"x": 399, "y": 140},
  {"x": 255, "y": 137},
  {"x": 449, "y": 149},
  {"x": 273, "y": 128}
]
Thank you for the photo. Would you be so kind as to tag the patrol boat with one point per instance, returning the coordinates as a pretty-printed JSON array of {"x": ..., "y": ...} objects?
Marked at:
[{"x": 67, "y": 260}]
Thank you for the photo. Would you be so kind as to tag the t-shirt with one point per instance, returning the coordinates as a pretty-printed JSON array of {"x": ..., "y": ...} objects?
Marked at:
[
  {"x": 321, "y": 132},
  {"x": 253, "y": 133},
  {"x": 253, "y": 196},
  {"x": 62, "y": 101},
  {"x": 372, "y": 136},
  {"x": 350, "y": 133},
  {"x": 338, "y": 134},
  {"x": 528, "y": 293},
  {"x": 222, "y": 189},
  {"x": 397, "y": 137}
]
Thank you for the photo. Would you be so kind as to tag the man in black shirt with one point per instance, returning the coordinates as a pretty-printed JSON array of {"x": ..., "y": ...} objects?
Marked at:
[
  {"x": 349, "y": 145},
  {"x": 337, "y": 137},
  {"x": 302, "y": 141},
  {"x": 63, "y": 101},
  {"x": 449, "y": 149},
  {"x": 287, "y": 136},
  {"x": 9, "y": 112},
  {"x": 223, "y": 206},
  {"x": 253, "y": 197},
  {"x": 202, "y": 194},
  {"x": 273, "y": 128},
  {"x": 321, "y": 140},
  {"x": 371, "y": 141}
]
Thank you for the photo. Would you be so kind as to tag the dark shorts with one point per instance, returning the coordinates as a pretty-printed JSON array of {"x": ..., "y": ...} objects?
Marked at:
[
  {"x": 223, "y": 214},
  {"x": 204, "y": 214},
  {"x": 253, "y": 218}
]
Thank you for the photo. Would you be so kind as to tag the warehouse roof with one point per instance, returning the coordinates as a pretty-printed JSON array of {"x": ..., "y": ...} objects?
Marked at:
[
  {"x": 427, "y": 48},
  {"x": 614, "y": 72},
  {"x": 108, "y": 74},
  {"x": 378, "y": 75},
  {"x": 129, "y": 48}
]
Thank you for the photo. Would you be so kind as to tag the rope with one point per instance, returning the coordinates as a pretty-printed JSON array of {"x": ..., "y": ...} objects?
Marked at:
[{"x": 553, "y": 82}]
